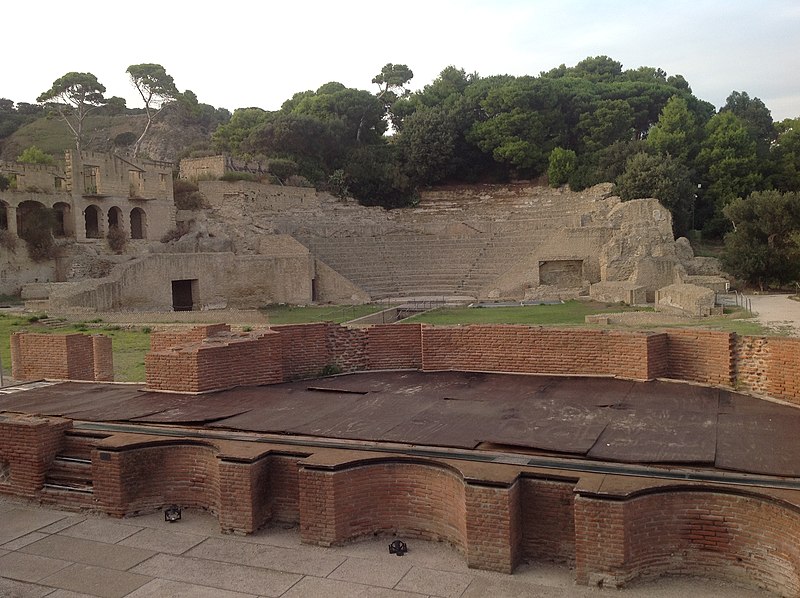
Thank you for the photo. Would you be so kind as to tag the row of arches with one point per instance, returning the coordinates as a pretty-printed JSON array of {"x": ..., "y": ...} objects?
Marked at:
[{"x": 33, "y": 215}]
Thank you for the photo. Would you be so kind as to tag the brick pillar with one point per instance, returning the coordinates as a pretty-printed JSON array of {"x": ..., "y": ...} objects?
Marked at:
[
  {"x": 103, "y": 358},
  {"x": 492, "y": 526},
  {"x": 600, "y": 541},
  {"x": 28, "y": 446},
  {"x": 317, "y": 507},
  {"x": 108, "y": 485},
  {"x": 244, "y": 495}
]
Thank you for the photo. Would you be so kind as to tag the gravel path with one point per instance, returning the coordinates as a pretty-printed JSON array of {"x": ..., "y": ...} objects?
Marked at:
[{"x": 777, "y": 312}]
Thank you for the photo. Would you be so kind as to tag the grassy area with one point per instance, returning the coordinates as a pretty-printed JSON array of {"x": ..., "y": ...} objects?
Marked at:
[
  {"x": 569, "y": 312},
  {"x": 130, "y": 345},
  {"x": 296, "y": 314}
]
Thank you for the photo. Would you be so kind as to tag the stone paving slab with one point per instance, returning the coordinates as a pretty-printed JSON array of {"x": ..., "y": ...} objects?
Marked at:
[
  {"x": 163, "y": 540},
  {"x": 163, "y": 588},
  {"x": 434, "y": 583},
  {"x": 29, "y": 567},
  {"x": 226, "y": 576},
  {"x": 88, "y": 552},
  {"x": 314, "y": 587},
  {"x": 385, "y": 574},
  {"x": 68, "y": 594},
  {"x": 96, "y": 581},
  {"x": 63, "y": 524},
  {"x": 10, "y": 588},
  {"x": 23, "y": 541},
  {"x": 20, "y": 521},
  {"x": 291, "y": 560},
  {"x": 101, "y": 530}
]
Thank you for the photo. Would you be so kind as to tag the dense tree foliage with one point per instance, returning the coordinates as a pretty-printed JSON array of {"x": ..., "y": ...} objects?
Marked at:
[
  {"x": 73, "y": 97},
  {"x": 764, "y": 246}
]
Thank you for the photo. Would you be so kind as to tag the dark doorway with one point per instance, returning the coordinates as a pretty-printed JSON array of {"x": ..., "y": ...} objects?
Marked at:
[
  {"x": 92, "y": 222},
  {"x": 182, "y": 294}
]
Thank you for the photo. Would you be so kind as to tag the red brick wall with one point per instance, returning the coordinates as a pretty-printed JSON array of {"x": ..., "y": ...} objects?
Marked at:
[
  {"x": 783, "y": 369},
  {"x": 525, "y": 349},
  {"x": 492, "y": 527},
  {"x": 709, "y": 534},
  {"x": 547, "y": 520},
  {"x": 284, "y": 488},
  {"x": 415, "y": 499},
  {"x": 347, "y": 348},
  {"x": 61, "y": 356},
  {"x": 701, "y": 356},
  {"x": 28, "y": 445},
  {"x": 394, "y": 346},
  {"x": 146, "y": 478},
  {"x": 215, "y": 363},
  {"x": 166, "y": 339},
  {"x": 305, "y": 349}
]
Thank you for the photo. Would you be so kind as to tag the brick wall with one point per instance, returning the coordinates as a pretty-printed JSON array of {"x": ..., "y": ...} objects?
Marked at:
[
  {"x": 61, "y": 356},
  {"x": 709, "y": 534},
  {"x": 222, "y": 361},
  {"x": 347, "y": 347},
  {"x": 149, "y": 477},
  {"x": 28, "y": 445},
  {"x": 305, "y": 349},
  {"x": 547, "y": 520},
  {"x": 418, "y": 500},
  {"x": 525, "y": 349},
  {"x": 168, "y": 339},
  {"x": 783, "y": 369},
  {"x": 392, "y": 346},
  {"x": 701, "y": 356}
]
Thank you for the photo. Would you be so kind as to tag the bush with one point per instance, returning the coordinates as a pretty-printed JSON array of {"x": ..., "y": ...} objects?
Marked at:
[
  {"x": 230, "y": 177},
  {"x": 34, "y": 155},
  {"x": 117, "y": 239},
  {"x": 562, "y": 165},
  {"x": 125, "y": 139},
  {"x": 337, "y": 184},
  {"x": 297, "y": 180},
  {"x": 187, "y": 196},
  {"x": 282, "y": 168},
  {"x": 175, "y": 233},
  {"x": 8, "y": 241},
  {"x": 38, "y": 235}
]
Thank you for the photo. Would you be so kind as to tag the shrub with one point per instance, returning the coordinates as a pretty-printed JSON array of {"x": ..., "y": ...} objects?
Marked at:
[
  {"x": 562, "y": 165},
  {"x": 38, "y": 235},
  {"x": 125, "y": 139},
  {"x": 230, "y": 177},
  {"x": 283, "y": 168},
  {"x": 8, "y": 241},
  {"x": 337, "y": 184},
  {"x": 297, "y": 180},
  {"x": 175, "y": 233},
  {"x": 117, "y": 239},
  {"x": 187, "y": 195},
  {"x": 34, "y": 155},
  {"x": 5, "y": 182}
]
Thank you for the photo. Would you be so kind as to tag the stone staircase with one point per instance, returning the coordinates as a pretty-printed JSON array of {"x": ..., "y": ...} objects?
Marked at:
[{"x": 69, "y": 480}]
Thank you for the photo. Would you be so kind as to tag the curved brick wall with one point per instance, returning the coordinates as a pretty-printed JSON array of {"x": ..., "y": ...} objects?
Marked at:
[
  {"x": 418, "y": 500},
  {"x": 741, "y": 538},
  {"x": 151, "y": 476}
]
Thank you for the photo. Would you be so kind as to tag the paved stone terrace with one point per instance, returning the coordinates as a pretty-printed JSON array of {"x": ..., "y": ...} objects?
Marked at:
[{"x": 58, "y": 554}]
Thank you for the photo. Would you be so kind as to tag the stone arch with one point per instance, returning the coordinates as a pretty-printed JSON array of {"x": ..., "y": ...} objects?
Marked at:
[
  {"x": 64, "y": 226},
  {"x": 138, "y": 223},
  {"x": 114, "y": 218},
  {"x": 92, "y": 217},
  {"x": 30, "y": 217},
  {"x": 3, "y": 215}
]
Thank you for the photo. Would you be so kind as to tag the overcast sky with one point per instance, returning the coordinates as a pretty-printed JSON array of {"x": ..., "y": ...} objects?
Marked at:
[{"x": 260, "y": 53}]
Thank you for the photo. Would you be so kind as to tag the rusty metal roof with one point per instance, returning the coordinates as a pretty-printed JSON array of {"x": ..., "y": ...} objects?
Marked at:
[{"x": 598, "y": 418}]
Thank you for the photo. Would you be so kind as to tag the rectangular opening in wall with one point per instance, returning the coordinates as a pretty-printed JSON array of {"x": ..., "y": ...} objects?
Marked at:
[
  {"x": 183, "y": 292},
  {"x": 564, "y": 274}
]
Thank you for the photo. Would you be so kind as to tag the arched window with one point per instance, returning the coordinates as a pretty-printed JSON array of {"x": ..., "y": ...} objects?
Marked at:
[
  {"x": 92, "y": 219},
  {"x": 114, "y": 218},
  {"x": 63, "y": 226},
  {"x": 138, "y": 224},
  {"x": 32, "y": 217}
]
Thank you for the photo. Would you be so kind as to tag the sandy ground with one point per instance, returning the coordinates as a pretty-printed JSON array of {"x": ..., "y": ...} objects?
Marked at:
[{"x": 777, "y": 312}]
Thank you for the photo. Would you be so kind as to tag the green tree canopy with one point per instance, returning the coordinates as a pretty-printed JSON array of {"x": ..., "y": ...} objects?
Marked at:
[
  {"x": 676, "y": 133},
  {"x": 764, "y": 246},
  {"x": 73, "y": 97},
  {"x": 34, "y": 155},
  {"x": 157, "y": 89}
]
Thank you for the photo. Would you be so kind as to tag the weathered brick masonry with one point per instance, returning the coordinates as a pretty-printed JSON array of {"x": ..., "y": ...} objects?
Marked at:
[
  {"x": 612, "y": 528},
  {"x": 61, "y": 356}
]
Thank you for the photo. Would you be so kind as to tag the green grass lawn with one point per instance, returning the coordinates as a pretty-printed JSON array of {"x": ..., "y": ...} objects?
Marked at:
[
  {"x": 130, "y": 345},
  {"x": 299, "y": 314},
  {"x": 569, "y": 312}
]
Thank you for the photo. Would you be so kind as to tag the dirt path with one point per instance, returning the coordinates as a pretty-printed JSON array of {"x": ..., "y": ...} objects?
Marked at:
[{"x": 777, "y": 312}]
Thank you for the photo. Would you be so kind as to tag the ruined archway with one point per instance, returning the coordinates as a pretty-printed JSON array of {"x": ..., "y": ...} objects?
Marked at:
[
  {"x": 3, "y": 215},
  {"x": 63, "y": 226},
  {"x": 91, "y": 216},
  {"x": 32, "y": 217},
  {"x": 114, "y": 218},
  {"x": 138, "y": 224}
]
